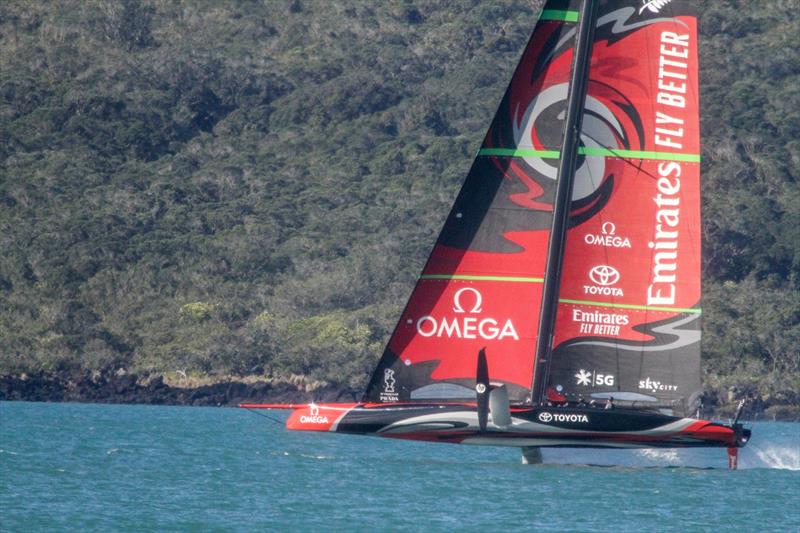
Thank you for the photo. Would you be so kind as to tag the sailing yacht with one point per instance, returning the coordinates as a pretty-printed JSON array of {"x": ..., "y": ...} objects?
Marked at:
[{"x": 560, "y": 305}]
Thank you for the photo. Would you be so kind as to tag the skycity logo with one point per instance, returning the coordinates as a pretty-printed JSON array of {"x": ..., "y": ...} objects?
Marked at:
[
  {"x": 314, "y": 417},
  {"x": 546, "y": 417},
  {"x": 654, "y": 6},
  {"x": 603, "y": 276},
  {"x": 608, "y": 237},
  {"x": 467, "y": 327},
  {"x": 655, "y": 386}
]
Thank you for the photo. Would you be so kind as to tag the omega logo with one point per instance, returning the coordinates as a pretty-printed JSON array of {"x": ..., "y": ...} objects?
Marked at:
[{"x": 476, "y": 307}]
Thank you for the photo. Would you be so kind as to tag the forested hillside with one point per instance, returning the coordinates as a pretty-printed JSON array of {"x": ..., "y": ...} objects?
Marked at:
[{"x": 252, "y": 187}]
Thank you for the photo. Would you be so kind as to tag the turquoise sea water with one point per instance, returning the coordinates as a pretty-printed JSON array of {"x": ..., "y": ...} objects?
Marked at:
[{"x": 144, "y": 468}]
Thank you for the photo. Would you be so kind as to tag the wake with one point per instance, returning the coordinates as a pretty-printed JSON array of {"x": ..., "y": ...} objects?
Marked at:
[
  {"x": 773, "y": 456},
  {"x": 780, "y": 456}
]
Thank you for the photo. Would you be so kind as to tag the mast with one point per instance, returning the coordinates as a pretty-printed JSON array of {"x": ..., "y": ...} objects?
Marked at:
[{"x": 564, "y": 179}]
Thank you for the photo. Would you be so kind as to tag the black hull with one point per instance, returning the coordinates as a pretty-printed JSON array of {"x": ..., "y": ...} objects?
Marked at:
[{"x": 542, "y": 426}]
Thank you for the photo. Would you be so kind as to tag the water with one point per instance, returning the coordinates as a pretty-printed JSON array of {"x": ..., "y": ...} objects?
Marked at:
[{"x": 144, "y": 468}]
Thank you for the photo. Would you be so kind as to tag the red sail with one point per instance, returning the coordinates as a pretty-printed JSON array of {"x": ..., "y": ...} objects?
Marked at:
[
  {"x": 482, "y": 285},
  {"x": 628, "y": 316}
]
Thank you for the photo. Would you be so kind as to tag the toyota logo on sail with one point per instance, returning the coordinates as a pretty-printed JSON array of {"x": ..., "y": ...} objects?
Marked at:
[{"x": 604, "y": 275}]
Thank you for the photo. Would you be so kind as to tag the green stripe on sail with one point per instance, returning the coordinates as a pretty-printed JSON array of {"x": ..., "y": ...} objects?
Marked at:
[
  {"x": 592, "y": 152},
  {"x": 632, "y": 306},
  {"x": 466, "y": 277},
  {"x": 638, "y": 154},
  {"x": 557, "y": 14},
  {"x": 521, "y": 152}
]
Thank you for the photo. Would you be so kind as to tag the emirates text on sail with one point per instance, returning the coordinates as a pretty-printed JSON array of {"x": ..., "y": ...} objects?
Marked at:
[{"x": 669, "y": 133}]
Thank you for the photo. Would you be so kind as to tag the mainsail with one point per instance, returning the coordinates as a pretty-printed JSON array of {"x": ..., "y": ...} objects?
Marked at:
[
  {"x": 482, "y": 285},
  {"x": 569, "y": 267},
  {"x": 628, "y": 322}
]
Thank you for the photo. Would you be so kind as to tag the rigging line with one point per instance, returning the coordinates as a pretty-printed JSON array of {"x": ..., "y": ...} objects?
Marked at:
[
  {"x": 280, "y": 423},
  {"x": 626, "y": 160}
]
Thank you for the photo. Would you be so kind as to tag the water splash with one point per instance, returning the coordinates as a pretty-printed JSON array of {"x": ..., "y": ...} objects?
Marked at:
[
  {"x": 303, "y": 455},
  {"x": 667, "y": 455},
  {"x": 310, "y": 456},
  {"x": 778, "y": 456}
]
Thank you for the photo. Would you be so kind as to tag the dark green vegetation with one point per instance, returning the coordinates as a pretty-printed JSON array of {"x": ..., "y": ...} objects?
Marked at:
[{"x": 251, "y": 188}]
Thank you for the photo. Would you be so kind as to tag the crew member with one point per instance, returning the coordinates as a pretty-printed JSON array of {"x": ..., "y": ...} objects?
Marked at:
[{"x": 610, "y": 403}]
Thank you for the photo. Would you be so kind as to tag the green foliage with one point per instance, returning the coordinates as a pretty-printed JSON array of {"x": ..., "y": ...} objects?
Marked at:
[{"x": 252, "y": 187}]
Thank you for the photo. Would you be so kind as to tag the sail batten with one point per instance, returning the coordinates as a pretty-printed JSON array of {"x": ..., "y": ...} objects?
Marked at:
[
  {"x": 693, "y": 310},
  {"x": 591, "y": 151},
  {"x": 470, "y": 277}
]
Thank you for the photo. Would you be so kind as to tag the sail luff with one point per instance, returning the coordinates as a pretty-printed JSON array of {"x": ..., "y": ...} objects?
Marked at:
[{"x": 561, "y": 208}]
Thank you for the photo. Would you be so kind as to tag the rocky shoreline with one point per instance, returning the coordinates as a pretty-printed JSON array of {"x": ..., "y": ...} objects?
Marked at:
[
  {"x": 132, "y": 389},
  {"x": 154, "y": 390}
]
